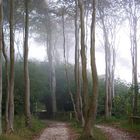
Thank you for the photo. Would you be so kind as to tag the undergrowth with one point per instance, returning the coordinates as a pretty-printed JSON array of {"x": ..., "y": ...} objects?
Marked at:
[
  {"x": 23, "y": 133},
  {"x": 98, "y": 134},
  {"x": 123, "y": 123}
]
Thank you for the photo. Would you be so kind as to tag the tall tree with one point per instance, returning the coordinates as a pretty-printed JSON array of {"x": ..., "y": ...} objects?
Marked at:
[
  {"x": 133, "y": 20},
  {"x": 84, "y": 61},
  {"x": 77, "y": 67},
  {"x": 12, "y": 61},
  {"x": 66, "y": 63},
  {"x": 131, "y": 10},
  {"x": 26, "y": 71},
  {"x": 51, "y": 59},
  {"x": 1, "y": 36},
  {"x": 92, "y": 108},
  {"x": 7, "y": 85},
  {"x": 109, "y": 22}
]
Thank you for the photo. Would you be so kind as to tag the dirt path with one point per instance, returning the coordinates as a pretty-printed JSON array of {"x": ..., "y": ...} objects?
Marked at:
[
  {"x": 117, "y": 134},
  {"x": 58, "y": 131}
]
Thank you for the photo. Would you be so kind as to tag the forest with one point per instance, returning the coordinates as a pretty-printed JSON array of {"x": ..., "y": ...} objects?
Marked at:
[{"x": 69, "y": 70}]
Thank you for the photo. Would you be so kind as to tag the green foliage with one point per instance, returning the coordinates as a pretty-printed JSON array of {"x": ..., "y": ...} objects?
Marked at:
[
  {"x": 98, "y": 134},
  {"x": 23, "y": 133},
  {"x": 125, "y": 124}
]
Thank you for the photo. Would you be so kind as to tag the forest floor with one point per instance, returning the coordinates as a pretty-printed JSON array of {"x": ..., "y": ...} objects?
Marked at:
[
  {"x": 63, "y": 131},
  {"x": 58, "y": 131},
  {"x": 113, "y": 133}
]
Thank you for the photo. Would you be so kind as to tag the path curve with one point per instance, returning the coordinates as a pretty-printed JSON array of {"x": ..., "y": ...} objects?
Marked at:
[
  {"x": 58, "y": 131},
  {"x": 117, "y": 134}
]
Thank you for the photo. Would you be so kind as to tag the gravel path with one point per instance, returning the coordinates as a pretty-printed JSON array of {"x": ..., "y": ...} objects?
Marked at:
[
  {"x": 58, "y": 131},
  {"x": 116, "y": 134}
]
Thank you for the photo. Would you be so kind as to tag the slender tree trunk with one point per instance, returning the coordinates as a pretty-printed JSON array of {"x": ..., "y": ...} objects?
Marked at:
[
  {"x": 1, "y": 28},
  {"x": 12, "y": 61},
  {"x": 7, "y": 85},
  {"x": 66, "y": 69},
  {"x": 135, "y": 110},
  {"x": 108, "y": 84},
  {"x": 53, "y": 79},
  {"x": 113, "y": 72},
  {"x": 51, "y": 59},
  {"x": 26, "y": 70},
  {"x": 84, "y": 61},
  {"x": 88, "y": 129},
  {"x": 133, "y": 20},
  {"x": 77, "y": 72}
]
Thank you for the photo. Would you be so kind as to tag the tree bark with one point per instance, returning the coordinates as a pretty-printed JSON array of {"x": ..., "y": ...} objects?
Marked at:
[
  {"x": 91, "y": 114},
  {"x": 1, "y": 28},
  {"x": 77, "y": 67},
  {"x": 7, "y": 85},
  {"x": 12, "y": 61},
  {"x": 26, "y": 69},
  {"x": 84, "y": 61}
]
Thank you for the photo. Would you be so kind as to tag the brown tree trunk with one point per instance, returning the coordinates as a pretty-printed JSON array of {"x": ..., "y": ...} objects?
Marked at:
[
  {"x": 77, "y": 68},
  {"x": 7, "y": 85},
  {"x": 12, "y": 61},
  {"x": 84, "y": 61},
  {"x": 26, "y": 70},
  {"x": 91, "y": 114},
  {"x": 1, "y": 28}
]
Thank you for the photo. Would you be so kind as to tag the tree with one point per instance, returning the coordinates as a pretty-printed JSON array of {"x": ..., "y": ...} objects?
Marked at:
[
  {"x": 84, "y": 61},
  {"x": 66, "y": 63},
  {"x": 7, "y": 85},
  {"x": 90, "y": 102},
  {"x": 109, "y": 20},
  {"x": 92, "y": 109},
  {"x": 1, "y": 36},
  {"x": 133, "y": 20},
  {"x": 26, "y": 71},
  {"x": 50, "y": 53},
  {"x": 11, "y": 80},
  {"x": 77, "y": 67}
]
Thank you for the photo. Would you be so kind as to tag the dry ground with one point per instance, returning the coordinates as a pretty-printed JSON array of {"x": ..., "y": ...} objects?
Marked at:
[
  {"x": 58, "y": 131},
  {"x": 117, "y": 134}
]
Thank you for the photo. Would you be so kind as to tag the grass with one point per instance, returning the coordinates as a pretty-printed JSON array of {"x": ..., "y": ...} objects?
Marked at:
[
  {"x": 122, "y": 123},
  {"x": 98, "y": 134},
  {"x": 128, "y": 126},
  {"x": 23, "y": 133}
]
